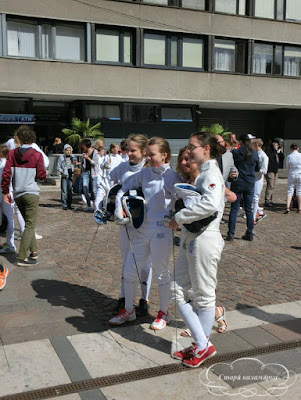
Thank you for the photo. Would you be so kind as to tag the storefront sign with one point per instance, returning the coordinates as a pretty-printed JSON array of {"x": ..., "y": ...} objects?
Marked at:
[{"x": 16, "y": 119}]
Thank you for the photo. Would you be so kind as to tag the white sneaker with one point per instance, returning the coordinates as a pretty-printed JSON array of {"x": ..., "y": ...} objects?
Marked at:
[
  {"x": 7, "y": 250},
  {"x": 160, "y": 322},
  {"x": 38, "y": 236},
  {"x": 123, "y": 317}
]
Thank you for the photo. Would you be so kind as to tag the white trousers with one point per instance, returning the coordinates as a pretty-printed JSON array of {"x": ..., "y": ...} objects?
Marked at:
[
  {"x": 195, "y": 275},
  {"x": 8, "y": 211},
  {"x": 155, "y": 242},
  {"x": 257, "y": 191},
  {"x": 294, "y": 182},
  {"x": 146, "y": 270}
]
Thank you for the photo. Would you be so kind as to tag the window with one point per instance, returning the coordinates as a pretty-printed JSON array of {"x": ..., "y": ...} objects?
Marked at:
[
  {"x": 140, "y": 113},
  {"x": 192, "y": 53},
  {"x": 176, "y": 114},
  {"x": 27, "y": 38},
  {"x": 22, "y": 38},
  {"x": 292, "y": 61},
  {"x": 231, "y": 6},
  {"x": 262, "y": 59},
  {"x": 293, "y": 10},
  {"x": 70, "y": 43},
  {"x": 103, "y": 111},
  {"x": 230, "y": 55},
  {"x": 265, "y": 9},
  {"x": 160, "y": 2},
  {"x": 154, "y": 49},
  {"x": 114, "y": 46},
  {"x": 46, "y": 41},
  {"x": 181, "y": 51},
  {"x": 195, "y": 4},
  {"x": 224, "y": 55},
  {"x": 278, "y": 60}
]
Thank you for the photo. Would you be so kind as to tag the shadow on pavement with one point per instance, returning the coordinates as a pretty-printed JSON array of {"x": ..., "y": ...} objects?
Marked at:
[
  {"x": 96, "y": 309},
  {"x": 287, "y": 321}
]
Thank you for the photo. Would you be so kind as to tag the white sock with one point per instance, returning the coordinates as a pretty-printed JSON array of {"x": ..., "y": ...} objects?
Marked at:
[
  {"x": 206, "y": 317},
  {"x": 192, "y": 322}
]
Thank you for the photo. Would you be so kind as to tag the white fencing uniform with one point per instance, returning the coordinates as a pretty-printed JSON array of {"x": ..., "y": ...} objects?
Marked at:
[
  {"x": 264, "y": 164},
  {"x": 293, "y": 164},
  {"x": 152, "y": 238},
  {"x": 120, "y": 175},
  {"x": 196, "y": 267}
]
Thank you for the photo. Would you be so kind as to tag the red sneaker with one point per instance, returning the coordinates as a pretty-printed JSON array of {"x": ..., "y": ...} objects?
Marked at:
[
  {"x": 123, "y": 317},
  {"x": 185, "y": 353},
  {"x": 160, "y": 322},
  {"x": 200, "y": 356}
]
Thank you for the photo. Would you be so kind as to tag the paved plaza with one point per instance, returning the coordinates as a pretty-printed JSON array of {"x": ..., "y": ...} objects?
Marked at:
[{"x": 54, "y": 316}]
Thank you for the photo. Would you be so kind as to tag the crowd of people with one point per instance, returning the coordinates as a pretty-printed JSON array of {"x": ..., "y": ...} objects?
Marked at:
[{"x": 149, "y": 201}]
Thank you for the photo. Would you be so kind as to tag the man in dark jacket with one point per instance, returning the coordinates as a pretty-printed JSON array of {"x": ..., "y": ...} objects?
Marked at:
[
  {"x": 275, "y": 154},
  {"x": 23, "y": 167},
  {"x": 247, "y": 163}
]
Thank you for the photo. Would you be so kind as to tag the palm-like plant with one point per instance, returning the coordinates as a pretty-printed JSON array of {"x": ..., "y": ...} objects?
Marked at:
[
  {"x": 81, "y": 129},
  {"x": 216, "y": 129}
]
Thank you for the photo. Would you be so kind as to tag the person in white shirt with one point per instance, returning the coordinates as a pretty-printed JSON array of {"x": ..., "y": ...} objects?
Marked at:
[
  {"x": 7, "y": 209},
  {"x": 264, "y": 164},
  {"x": 293, "y": 164},
  {"x": 111, "y": 160},
  {"x": 153, "y": 238}
]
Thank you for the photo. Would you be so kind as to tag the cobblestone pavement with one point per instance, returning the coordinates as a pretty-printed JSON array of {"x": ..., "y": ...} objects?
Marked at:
[
  {"x": 86, "y": 257},
  {"x": 250, "y": 274}
]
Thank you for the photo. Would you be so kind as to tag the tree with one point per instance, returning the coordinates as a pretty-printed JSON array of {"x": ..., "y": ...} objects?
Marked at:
[
  {"x": 216, "y": 129},
  {"x": 80, "y": 130}
]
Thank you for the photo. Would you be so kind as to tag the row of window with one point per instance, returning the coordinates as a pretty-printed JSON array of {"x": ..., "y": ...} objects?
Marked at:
[
  {"x": 138, "y": 113},
  {"x": 117, "y": 46},
  {"x": 289, "y": 10}
]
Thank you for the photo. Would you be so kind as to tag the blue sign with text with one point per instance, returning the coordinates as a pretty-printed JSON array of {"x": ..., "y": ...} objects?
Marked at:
[{"x": 16, "y": 119}]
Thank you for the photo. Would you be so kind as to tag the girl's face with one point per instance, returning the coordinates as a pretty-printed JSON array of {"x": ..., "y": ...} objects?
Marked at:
[
  {"x": 154, "y": 156},
  {"x": 134, "y": 152},
  {"x": 197, "y": 153},
  {"x": 68, "y": 151},
  {"x": 186, "y": 164},
  {"x": 101, "y": 152},
  {"x": 114, "y": 150}
]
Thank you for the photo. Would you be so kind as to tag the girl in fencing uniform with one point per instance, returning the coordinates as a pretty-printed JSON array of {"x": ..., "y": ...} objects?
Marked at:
[
  {"x": 152, "y": 238},
  {"x": 120, "y": 175},
  {"x": 200, "y": 251}
]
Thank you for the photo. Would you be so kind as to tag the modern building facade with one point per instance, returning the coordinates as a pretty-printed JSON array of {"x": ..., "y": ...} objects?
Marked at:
[{"x": 162, "y": 67}]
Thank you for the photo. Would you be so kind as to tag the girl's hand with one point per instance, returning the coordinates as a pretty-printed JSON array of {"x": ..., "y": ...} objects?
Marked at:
[
  {"x": 173, "y": 225},
  {"x": 7, "y": 198}
]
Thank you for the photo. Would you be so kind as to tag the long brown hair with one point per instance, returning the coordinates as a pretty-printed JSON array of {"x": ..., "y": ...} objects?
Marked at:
[{"x": 179, "y": 167}]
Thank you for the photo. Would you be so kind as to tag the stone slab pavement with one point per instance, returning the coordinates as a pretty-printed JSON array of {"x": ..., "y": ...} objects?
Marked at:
[{"x": 53, "y": 324}]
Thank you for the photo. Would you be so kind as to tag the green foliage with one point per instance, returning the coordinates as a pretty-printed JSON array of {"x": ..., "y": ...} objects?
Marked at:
[
  {"x": 80, "y": 130},
  {"x": 216, "y": 129}
]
